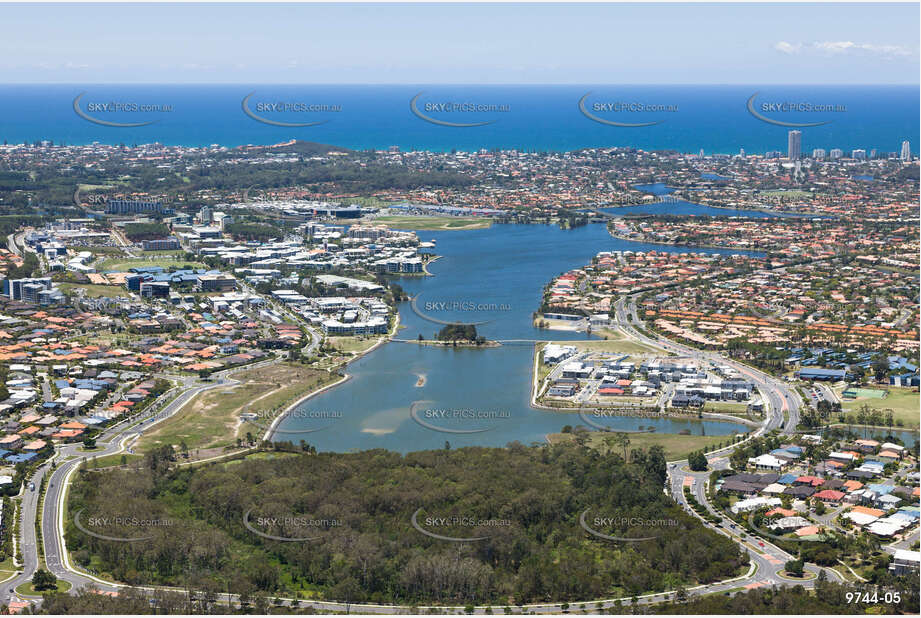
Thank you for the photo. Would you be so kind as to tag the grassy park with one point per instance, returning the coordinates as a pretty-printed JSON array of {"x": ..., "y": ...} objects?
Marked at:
[
  {"x": 212, "y": 418},
  {"x": 903, "y": 402}
]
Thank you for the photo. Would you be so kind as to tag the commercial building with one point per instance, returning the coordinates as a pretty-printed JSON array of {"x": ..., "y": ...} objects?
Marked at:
[
  {"x": 161, "y": 244},
  {"x": 216, "y": 283},
  {"x": 815, "y": 373},
  {"x": 154, "y": 289},
  {"x": 134, "y": 207}
]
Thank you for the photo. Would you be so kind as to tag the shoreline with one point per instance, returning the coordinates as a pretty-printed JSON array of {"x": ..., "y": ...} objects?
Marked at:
[
  {"x": 425, "y": 266},
  {"x": 768, "y": 211},
  {"x": 345, "y": 378}
]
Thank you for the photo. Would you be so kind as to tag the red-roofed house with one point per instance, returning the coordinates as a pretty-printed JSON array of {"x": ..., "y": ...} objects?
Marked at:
[{"x": 829, "y": 495}]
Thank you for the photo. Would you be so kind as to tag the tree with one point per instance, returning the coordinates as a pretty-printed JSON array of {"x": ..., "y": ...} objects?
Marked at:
[
  {"x": 697, "y": 461},
  {"x": 794, "y": 567},
  {"x": 880, "y": 367},
  {"x": 623, "y": 440},
  {"x": 44, "y": 580}
]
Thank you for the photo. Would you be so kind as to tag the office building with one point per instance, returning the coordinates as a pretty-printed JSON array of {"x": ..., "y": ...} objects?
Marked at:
[
  {"x": 818, "y": 154},
  {"x": 905, "y": 153},
  {"x": 154, "y": 289},
  {"x": 835, "y": 153}
]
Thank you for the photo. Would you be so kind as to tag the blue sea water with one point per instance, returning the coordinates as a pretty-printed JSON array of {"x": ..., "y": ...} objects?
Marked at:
[{"x": 712, "y": 118}]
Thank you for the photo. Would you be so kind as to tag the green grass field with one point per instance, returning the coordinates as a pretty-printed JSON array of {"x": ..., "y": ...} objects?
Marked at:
[
  {"x": 122, "y": 265},
  {"x": 350, "y": 345},
  {"x": 726, "y": 407},
  {"x": 903, "y": 403},
  {"x": 95, "y": 291},
  {"x": 7, "y": 570},
  {"x": 434, "y": 223},
  {"x": 676, "y": 446}
]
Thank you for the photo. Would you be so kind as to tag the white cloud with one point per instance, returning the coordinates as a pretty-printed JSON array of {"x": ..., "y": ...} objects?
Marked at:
[
  {"x": 844, "y": 47},
  {"x": 837, "y": 48},
  {"x": 788, "y": 48}
]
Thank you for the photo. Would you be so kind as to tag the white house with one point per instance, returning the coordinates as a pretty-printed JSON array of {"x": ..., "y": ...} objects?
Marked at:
[{"x": 767, "y": 462}]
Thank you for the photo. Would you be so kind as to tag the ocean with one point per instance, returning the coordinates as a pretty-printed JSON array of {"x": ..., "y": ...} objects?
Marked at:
[{"x": 715, "y": 119}]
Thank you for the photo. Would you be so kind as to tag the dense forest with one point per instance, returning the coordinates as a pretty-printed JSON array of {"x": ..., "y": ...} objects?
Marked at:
[
  {"x": 525, "y": 502},
  {"x": 254, "y": 231},
  {"x": 457, "y": 332}
]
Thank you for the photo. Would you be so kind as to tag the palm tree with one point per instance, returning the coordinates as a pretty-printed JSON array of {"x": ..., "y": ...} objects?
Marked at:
[{"x": 623, "y": 440}]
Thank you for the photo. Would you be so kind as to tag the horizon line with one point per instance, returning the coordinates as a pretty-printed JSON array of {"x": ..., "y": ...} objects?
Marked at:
[{"x": 543, "y": 84}]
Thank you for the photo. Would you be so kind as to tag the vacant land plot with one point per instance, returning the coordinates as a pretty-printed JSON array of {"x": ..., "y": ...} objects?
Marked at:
[
  {"x": 677, "y": 446},
  {"x": 434, "y": 223},
  {"x": 793, "y": 194},
  {"x": 212, "y": 419},
  {"x": 104, "y": 251},
  {"x": 95, "y": 291},
  {"x": 121, "y": 265},
  {"x": 614, "y": 342},
  {"x": 352, "y": 345},
  {"x": 726, "y": 407}
]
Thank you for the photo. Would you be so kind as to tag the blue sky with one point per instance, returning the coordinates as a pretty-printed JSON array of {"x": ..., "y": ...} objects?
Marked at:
[{"x": 460, "y": 43}]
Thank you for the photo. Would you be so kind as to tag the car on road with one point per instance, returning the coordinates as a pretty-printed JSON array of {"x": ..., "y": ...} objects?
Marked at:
[{"x": 31, "y": 486}]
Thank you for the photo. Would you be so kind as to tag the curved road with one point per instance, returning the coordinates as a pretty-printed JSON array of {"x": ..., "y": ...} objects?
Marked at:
[
  {"x": 767, "y": 559},
  {"x": 113, "y": 440},
  {"x": 781, "y": 398}
]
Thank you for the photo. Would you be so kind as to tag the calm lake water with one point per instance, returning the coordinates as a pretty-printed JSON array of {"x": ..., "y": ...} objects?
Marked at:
[{"x": 401, "y": 390}]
